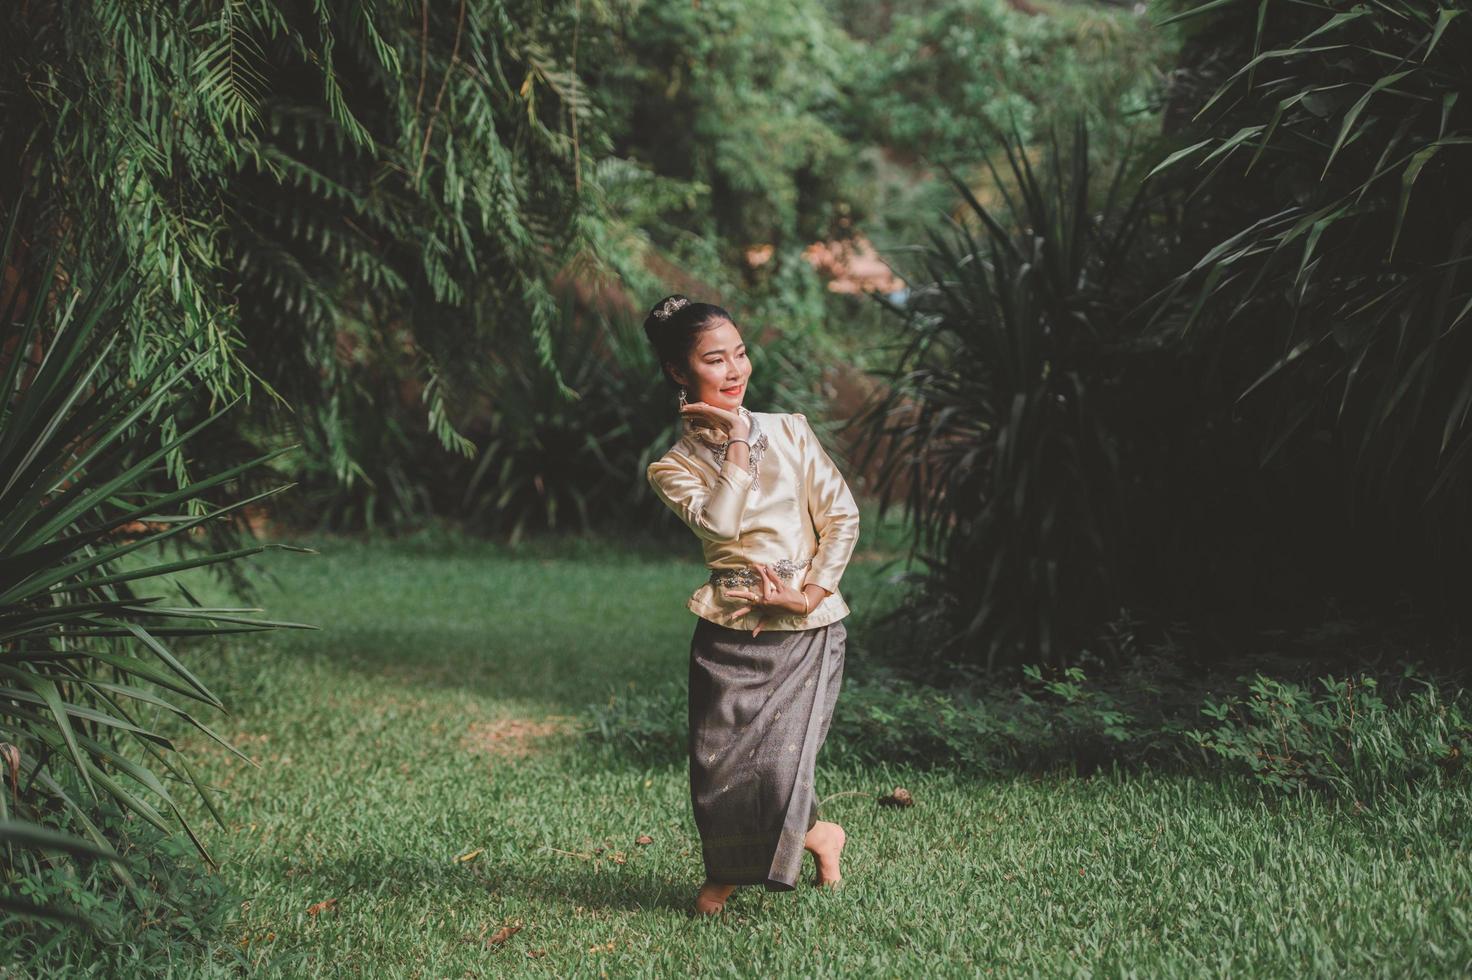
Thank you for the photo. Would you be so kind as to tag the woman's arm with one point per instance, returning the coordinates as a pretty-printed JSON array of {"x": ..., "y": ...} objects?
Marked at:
[
  {"x": 813, "y": 593},
  {"x": 834, "y": 512},
  {"x": 713, "y": 513}
]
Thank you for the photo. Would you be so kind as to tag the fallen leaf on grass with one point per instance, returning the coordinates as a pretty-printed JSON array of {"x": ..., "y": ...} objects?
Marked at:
[
  {"x": 472, "y": 855},
  {"x": 322, "y": 906},
  {"x": 900, "y": 797},
  {"x": 644, "y": 839},
  {"x": 502, "y": 934},
  {"x": 536, "y": 953}
]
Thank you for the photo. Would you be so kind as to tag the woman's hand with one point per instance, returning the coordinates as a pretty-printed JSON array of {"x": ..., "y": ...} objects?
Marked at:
[
  {"x": 776, "y": 596},
  {"x": 732, "y": 422}
]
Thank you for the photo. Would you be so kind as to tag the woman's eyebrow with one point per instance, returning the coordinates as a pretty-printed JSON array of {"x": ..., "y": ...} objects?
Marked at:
[{"x": 719, "y": 350}]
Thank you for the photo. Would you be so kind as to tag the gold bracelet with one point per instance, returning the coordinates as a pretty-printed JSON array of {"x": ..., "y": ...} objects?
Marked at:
[{"x": 807, "y": 604}]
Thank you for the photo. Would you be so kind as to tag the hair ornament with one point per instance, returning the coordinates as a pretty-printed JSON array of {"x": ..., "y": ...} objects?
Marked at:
[{"x": 670, "y": 306}]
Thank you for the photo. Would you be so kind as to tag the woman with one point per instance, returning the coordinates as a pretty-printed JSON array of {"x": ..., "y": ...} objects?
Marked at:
[{"x": 778, "y": 525}]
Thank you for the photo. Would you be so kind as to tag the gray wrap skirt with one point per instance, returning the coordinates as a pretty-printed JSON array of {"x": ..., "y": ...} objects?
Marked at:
[{"x": 759, "y": 711}]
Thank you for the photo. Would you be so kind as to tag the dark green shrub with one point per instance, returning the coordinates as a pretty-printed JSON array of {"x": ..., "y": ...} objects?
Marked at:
[
  {"x": 29, "y": 897},
  {"x": 150, "y": 931},
  {"x": 1326, "y": 147},
  {"x": 995, "y": 418},
  {"x": 86, "y": 619},
  {"x": 1259, "y": 405},
  {"x": 1079, "y": 718},
  {"x": 1344, "y": 739}
]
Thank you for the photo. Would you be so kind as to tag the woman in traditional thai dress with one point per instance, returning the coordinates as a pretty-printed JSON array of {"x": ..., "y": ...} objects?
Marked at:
[{"x": 777, "y": 525}]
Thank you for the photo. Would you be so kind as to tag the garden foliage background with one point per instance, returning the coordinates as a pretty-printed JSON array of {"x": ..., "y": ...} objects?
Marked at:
[{"x": 1179, "y": 377}]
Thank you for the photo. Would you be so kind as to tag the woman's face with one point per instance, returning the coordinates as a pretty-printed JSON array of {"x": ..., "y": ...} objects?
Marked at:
[{"x": 718, "y": 368}]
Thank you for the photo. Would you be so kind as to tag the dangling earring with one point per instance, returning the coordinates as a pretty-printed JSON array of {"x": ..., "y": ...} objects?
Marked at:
[{"x": 683, "y": 400}]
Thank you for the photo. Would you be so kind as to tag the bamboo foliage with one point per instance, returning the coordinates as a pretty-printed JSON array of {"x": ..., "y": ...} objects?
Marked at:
[{"x": 1327, "y": 157}]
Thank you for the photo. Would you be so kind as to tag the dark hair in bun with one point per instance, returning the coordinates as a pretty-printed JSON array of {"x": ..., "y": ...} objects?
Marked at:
[{"x": 672, "y": 326}]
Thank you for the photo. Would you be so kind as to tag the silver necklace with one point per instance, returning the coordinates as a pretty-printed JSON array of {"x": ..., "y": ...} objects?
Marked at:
[{"x": 755, "y": 449}]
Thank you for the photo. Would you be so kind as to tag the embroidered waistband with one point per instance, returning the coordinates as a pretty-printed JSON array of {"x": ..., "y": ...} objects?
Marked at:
[{"x": 784, "y": 568}]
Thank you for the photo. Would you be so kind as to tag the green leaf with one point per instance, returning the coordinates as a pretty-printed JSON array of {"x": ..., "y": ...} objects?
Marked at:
[
  {"x": 45, "y": 687},
  {"x": 1282, "y": 362},
  {"x": 1338, "y": 20},
  {"x": 1407, "y": 181},
  {"x": 26, "y": 834},
  {"x": 1231, "y": 143},
  {"x": 1354, "y": 113},
  {"x": 1199, "y": 11},
  {"x": 1445, "y": 17}
]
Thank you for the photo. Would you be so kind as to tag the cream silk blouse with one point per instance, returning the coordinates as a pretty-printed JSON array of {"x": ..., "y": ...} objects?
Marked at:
[{"x": 797, "y": 507}]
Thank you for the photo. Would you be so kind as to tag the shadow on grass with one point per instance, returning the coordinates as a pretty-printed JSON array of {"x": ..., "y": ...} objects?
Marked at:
[{"x": 375, "y": 879}]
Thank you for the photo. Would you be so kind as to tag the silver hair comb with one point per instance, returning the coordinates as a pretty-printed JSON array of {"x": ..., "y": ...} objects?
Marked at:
[{"x": 669, "y": 306}]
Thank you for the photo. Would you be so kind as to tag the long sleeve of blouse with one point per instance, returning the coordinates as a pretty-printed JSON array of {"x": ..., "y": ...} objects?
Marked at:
[
  {"x": 831, "y": 505},
  {"x": 795, "y": 507},
  {"x": 712, "y": 512}
]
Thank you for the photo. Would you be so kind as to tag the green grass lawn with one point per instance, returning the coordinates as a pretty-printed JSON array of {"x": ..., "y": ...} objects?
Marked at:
[{"x": 393, "y": 741}]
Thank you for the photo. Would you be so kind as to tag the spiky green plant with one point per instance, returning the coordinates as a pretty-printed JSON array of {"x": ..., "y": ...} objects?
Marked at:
[
  {"x": 86, "y": 618},
  {"x": 991, "y": 420}
]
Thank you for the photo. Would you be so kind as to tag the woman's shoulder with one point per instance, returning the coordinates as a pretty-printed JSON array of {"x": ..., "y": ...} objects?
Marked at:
[
  {"x": 791, "y": 424},
  {"x": 783, "y": 418},
  {"x": 680, "y": 456},
  {"x": 678, "y": 453}
]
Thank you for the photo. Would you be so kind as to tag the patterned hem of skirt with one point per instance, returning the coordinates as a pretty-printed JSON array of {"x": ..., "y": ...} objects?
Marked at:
[{"x": 759, "y": 878}]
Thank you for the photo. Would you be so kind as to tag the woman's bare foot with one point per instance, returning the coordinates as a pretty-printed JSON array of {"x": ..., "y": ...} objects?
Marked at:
[
  {"x": 826, "y": 841},
  {"x": 712, "y": 897}
]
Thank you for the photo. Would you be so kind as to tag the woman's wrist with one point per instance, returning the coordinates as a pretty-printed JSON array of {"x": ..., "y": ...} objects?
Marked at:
[
  {"x": 808, "y": 599},
  {"x": 737, "y": 453}
]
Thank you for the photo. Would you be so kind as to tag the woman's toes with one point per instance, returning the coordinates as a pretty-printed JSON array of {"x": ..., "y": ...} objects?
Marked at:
[{"x": 712, "y": 897}]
